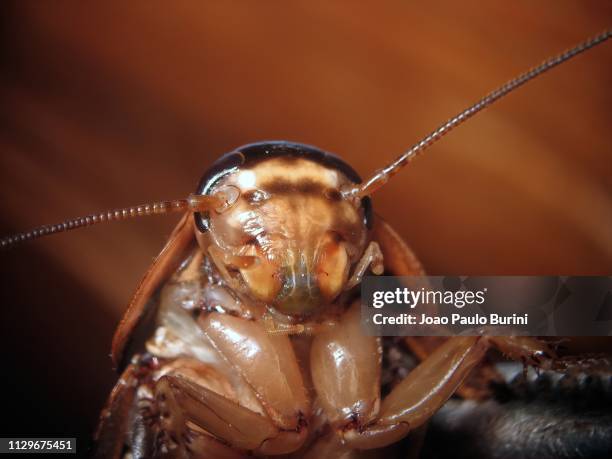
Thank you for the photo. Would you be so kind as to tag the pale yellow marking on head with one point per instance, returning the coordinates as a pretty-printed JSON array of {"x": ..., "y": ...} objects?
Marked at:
[{"x": 295, "y": 171}]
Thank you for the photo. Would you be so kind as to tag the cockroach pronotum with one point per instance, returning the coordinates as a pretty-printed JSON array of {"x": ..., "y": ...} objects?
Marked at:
[{"x": 244, "y": 335}]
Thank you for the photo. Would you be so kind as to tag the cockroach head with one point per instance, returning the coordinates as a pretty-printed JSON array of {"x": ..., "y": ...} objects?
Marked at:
[{"x": 290, "y": 235}]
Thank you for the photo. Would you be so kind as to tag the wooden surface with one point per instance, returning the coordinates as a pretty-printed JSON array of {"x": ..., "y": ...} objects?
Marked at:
[{"x": 109, "y": 104}]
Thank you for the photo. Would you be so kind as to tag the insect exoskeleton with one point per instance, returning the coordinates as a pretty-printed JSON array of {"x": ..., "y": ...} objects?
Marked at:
[
  {"x": 289, "y": 238},
  {"x": 227, "y": 328},
  {"x": 254, "y": 339},
  {"x": 244, "y": 337}
]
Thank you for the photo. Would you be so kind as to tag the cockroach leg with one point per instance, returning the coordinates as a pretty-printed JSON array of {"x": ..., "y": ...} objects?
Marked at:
[
  {"x": 176, "y": 422},
  {"x": 477, "y": 384},
  {"x": 415, "y": 399},
  {"x": 196, "y": 409},
  {"x": 530, "y": 351},
  {"x": 225, "y": 419},
  {"x": 207, "y": 385},
  {"x": 172, "y": 435},
  {"x": 181, "y": 401},
  {"x": 371, "y": 258},
  {"x": 207, "y": 447},
  {"x": 345, "y": 368},
  {"x": 330, "y": 446},
  {"x": 268, "y": 364},
  {"x": 142, "y": 435},
  {"x": 114, "y": 419}
]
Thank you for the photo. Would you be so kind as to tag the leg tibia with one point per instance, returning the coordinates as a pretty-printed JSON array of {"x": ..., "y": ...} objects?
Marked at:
[{"x": 414, "y": 400}]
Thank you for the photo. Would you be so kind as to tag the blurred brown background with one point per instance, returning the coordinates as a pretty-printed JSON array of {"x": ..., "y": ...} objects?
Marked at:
[{"x": 106, "y": 104}]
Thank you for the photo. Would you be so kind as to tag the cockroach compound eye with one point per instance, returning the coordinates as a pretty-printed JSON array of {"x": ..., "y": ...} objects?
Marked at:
[{"x": 292, "y": 238}]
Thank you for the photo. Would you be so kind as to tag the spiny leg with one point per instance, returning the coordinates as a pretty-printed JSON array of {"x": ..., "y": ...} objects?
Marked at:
[
  {"x": 112, "y": 432},
  {"x": 260, "y": 370},
  {"x": 190, "y": 409},
  {"x": 254, "y": 378},
  {"x": 142, "y": 419},
  {"x": 530, "y": 351}
]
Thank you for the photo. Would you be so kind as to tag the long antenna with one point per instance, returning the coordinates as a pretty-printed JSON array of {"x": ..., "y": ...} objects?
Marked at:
[
  {"x": 382, "y": 176},
  {"x": 194, "y": 203}
]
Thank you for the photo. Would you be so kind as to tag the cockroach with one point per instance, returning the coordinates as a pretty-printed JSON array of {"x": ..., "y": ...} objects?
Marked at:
[{"x": 244, "y": 335}]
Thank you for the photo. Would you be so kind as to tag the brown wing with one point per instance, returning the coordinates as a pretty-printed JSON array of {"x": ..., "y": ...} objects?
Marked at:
[
  {"x": 179, "y": 245},
  {"x": 400, "y": 260}
]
